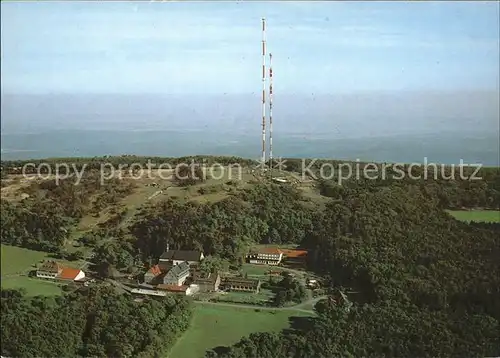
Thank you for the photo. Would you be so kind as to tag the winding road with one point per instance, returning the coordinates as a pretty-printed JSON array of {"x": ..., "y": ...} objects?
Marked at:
[{"x": 296, "y": 307}]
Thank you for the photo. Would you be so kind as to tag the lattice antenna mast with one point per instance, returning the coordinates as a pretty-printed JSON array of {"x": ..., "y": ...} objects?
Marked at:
[
  {"x": 271, "y": 112},
  {"x": 263, "y": 93}
]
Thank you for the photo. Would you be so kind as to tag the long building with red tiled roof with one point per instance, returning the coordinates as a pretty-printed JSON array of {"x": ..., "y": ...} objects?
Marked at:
[
  {"x": 266, "y": 256},
  {"x": 54, "y": 270},
  {"x": 294, "y": 253}
]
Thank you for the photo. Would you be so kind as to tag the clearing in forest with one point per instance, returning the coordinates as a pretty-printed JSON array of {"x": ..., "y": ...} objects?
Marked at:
[{"x": 492, "y": 216}]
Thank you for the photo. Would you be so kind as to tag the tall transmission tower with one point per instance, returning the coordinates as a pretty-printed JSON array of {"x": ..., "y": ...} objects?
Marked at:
[
  {"x": 263, "y": 93},
  {"x": 271, "y": 113}
]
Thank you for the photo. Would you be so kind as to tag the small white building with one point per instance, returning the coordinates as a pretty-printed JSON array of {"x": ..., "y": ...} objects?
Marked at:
[
  {"x": 49, "y": 269},
  {"x": 182, "y": 290},
  {"x": 312, "y": 283},
  {"x": 143, "y": 291}
]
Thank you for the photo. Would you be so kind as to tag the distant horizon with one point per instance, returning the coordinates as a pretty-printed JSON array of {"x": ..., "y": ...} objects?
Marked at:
[
  {"x": 257, "y": 93},
  {"x": 376, "y": 113}
]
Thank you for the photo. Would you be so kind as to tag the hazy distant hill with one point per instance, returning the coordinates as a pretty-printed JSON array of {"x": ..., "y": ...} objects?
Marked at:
[
  {"x": 444, "y": 127},
  {"x": 354, "y": 115}
]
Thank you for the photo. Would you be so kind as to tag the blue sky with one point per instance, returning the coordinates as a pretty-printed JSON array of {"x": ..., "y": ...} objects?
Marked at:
[{"x": 320, "y": 47}]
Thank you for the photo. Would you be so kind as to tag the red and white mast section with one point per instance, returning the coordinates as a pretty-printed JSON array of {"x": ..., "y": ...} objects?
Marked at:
[
  {"x": 271, "y": 110},
  {"x": 263, "y": 93}
]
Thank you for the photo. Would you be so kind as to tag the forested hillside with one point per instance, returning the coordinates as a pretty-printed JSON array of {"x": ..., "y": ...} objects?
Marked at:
[
  {"x": 93, "y": 323},
  {"x": 262, "y": 214},
  {"x": 44, "y": 219},
  {"x": 421, "y": 282}
]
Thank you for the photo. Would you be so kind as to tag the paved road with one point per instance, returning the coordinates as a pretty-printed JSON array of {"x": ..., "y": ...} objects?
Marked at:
[
  {"x": 267, "y": 308},
  {"x": 85, "y": 264},
  {"x": 156, "y": 193}
]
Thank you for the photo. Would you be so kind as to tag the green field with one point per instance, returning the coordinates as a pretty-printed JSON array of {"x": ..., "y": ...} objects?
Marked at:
[
  {"x": 33, "y": 286},
  {"x": 15, "y": 265},
  {"x": 214, "y": 326},
  {"x": 476, "y": 215},
  {"x": 16, "y": 260}
]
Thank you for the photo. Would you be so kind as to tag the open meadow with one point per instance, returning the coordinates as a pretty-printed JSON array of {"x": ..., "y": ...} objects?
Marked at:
[
  {"x": 33, "y": 286},
  {"x": 214, "y": 326},
  {"x": 17, "y": 260},
  {"x": 492, "y": 216}
]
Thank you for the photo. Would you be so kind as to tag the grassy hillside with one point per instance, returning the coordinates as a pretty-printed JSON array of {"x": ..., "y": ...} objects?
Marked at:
[
  {"x": 214, "y": 326},
  {"x": 16, "y": 263}
]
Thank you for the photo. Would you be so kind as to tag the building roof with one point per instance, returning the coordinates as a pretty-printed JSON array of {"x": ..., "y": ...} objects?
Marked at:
[
  {"x": 146, "y": 285},
  {"x": 155, "y": 270},
  {"x": 172, "y": 288},
  {"x": 178, "y": 270},
  {"x": 294, "y": 253},
  {"x": 69, "y": 273},
  {"x": 270, "y": 250},
  {"x": 50, "y": 266},
  {"x": 181, "y": 255},
  {"x": 165, "y": 265},
  {"x": 290, "y": 253}
]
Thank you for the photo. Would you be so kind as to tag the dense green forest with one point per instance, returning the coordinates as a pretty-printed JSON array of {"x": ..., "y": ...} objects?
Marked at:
[
  {"x": 35, "y": 224},
  {"x": 261, "y": 214},
  {"x": 422, "y": 283},
  {"x": 387, "y": 329},
  {"x": 289, "y": 290},
  {"x": 43, "y": 220},
  {"x": 95, "y": 322}
]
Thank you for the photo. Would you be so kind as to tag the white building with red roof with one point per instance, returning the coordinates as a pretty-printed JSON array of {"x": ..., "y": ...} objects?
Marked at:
[
  {"x": 55, "y": 271},
  {"x": 266, "y": 256}
]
